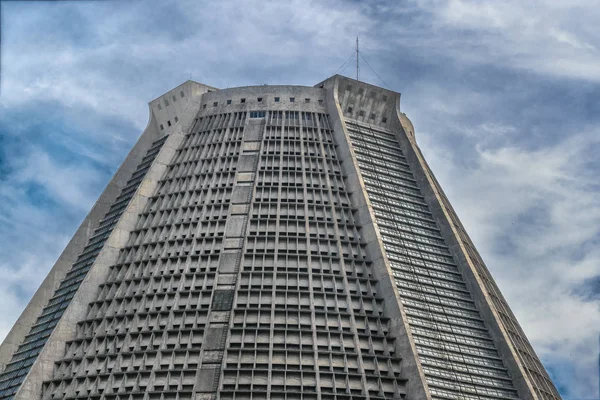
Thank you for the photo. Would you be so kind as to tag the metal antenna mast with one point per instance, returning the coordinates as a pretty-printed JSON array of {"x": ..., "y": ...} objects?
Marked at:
[{"x": 357, "y": 68}]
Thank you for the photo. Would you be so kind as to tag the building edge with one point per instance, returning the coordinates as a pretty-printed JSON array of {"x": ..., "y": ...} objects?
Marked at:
[
  {"x": 411, "y": 366},
  {"x": 54, "y": 348},
  {"x": 451, "y": 229}
]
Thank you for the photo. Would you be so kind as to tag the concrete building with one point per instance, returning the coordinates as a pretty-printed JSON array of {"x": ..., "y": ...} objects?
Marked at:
[{"x": 271, "y": 242}]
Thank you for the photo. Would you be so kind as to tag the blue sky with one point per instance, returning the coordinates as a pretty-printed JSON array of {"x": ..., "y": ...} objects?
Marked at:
[{"x": 504, "y": 97}]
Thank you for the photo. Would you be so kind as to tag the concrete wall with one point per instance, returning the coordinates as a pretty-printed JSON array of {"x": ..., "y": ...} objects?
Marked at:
[
  {"x": 54, "y": 349},
  {"x": 441, "y": 214},
  {"x": 405, "y": 346}
]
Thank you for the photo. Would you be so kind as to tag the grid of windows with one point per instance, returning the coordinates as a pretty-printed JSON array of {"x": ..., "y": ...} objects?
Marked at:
[
  {"x": 146, "y": 328},
  {"x": 22, "y": 360},
  {"x": 458, "y": 356},
  {"x": 306, "y": 318}
]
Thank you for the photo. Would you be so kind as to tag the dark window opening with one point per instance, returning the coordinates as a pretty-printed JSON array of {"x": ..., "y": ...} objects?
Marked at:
[
  {"x": 259, "y": 99},
  {"x": 349, "y": 87},
  {"x": 384, "y": 98},
  {"x": 383, "y": 120},
  {"x": 372, "y": 116},
  {"x": 169, "y": 123},
  {"x": 307, "y": 100},
  {"x": 276, "y": 99},
  {"x": 182, "y": 94},
  {"x": 166, "y": 102},
  {"x": 257, "y": 114},
  {"x": 203, "y": 105},
  {"x": 176, "y": 119},
  {"x": 349, "y": 110},
  {"x": 361, "y": 113},
  {"x": 159, "y": 106},
  {"x": 162, "y": 128},
  {"x": 216, "y": 103},
  {"x": 228, "y": 101},
  {"x": 292, "y": 99},
  {"x": 243, "y": 101},
  {"x": 174, "y": 98}
]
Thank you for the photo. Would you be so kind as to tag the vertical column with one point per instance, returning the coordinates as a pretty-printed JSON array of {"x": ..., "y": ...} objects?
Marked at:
[{"x": 215, "y": 337}]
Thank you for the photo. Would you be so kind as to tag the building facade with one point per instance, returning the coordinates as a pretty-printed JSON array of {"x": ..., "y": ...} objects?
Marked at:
[{"x": 271, "y": 242}]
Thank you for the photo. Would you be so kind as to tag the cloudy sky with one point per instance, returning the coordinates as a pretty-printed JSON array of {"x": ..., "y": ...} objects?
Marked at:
[{"x": 504, "y": 97}]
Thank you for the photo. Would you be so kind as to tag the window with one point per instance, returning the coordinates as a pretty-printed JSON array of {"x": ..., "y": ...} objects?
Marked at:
[
  {"x": 276, "y": 99},
  {"x": 361, "y": 113},
  {"x": 257, "y": 114},
  {"x": 307, "y": 100},
  {"x": 162, "y": 128},
  {"x": 203, "y": 105},
  {"x": 169, "y": 123},
  {"x": 349, "y": 110},
  {"x": 229, "y": 101},
  {"x": 384, "y": 98},
  {"x": 242, "y": 100},
  {"x": 361, "y": 91},
  {"x": 174, "y": 98},
  {"x": 159, "y": 106},
  {"x": 216, "y": 103},
  {"x": 292, "y": 99},
  {"x": 349, "y": 87},
  {"x": 182, "y": 94},
  {"x": 383, "y": 120},
  {"x": 372, "y": 116},
  {"x": 259, "y": 99},
  {"x": 320, "y": 101},
  {"x": 166, "y": 102},
  {"x": 176, "y": 119}
]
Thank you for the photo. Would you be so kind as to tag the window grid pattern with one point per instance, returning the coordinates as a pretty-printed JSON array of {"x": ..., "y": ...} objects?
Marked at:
[
  {"x": 307, "y": 321},
  {"x": 455, "y": 348},
  {"x": 22, "y": 360},
  {"x": 533, "y": 367},
  {"x": 143, "y": 336}
]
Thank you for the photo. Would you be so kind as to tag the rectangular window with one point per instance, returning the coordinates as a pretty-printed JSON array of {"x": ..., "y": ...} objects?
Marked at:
[
  {"x": 383, "y": 120},
  {"x": 257, "y": 114},
  {"x": 292, "y": 99},
  {"x": 182, "y": 94},
  {"x": 216, "y": 103},
  {"x": 229, "y": 101},
  {"x": 361, "y": 113},
  {"x": 166, "y": 102},
  {"x": 203, "y": 105},
  {"x": 169, "y": 123},
  {"x": 174, "y": 98},
  {"x": 372, "y": 116},
  {"x": 162, "y": 128},
  {"x": 259, "y": 99},
  {"x": 320, "y": 101},
  {"x": 349, "y": 110},
  {"x": 276, "y": 99},
  {"x": 243, "y": 101},
  {"x": 307, "y": 100},
  {"x": 159, "y": 106},
  {"x": 176, "y": 119},
  {"x": 384, "y": 98}
]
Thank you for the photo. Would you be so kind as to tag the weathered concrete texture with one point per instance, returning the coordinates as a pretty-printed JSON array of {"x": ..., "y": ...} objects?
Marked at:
[
  {"x": 411, "y": 367},
  {"x": 65, "y": 330}
]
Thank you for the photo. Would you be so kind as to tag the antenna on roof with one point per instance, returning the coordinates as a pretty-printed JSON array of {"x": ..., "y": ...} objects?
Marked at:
[{"x": 357, "y": 68}]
